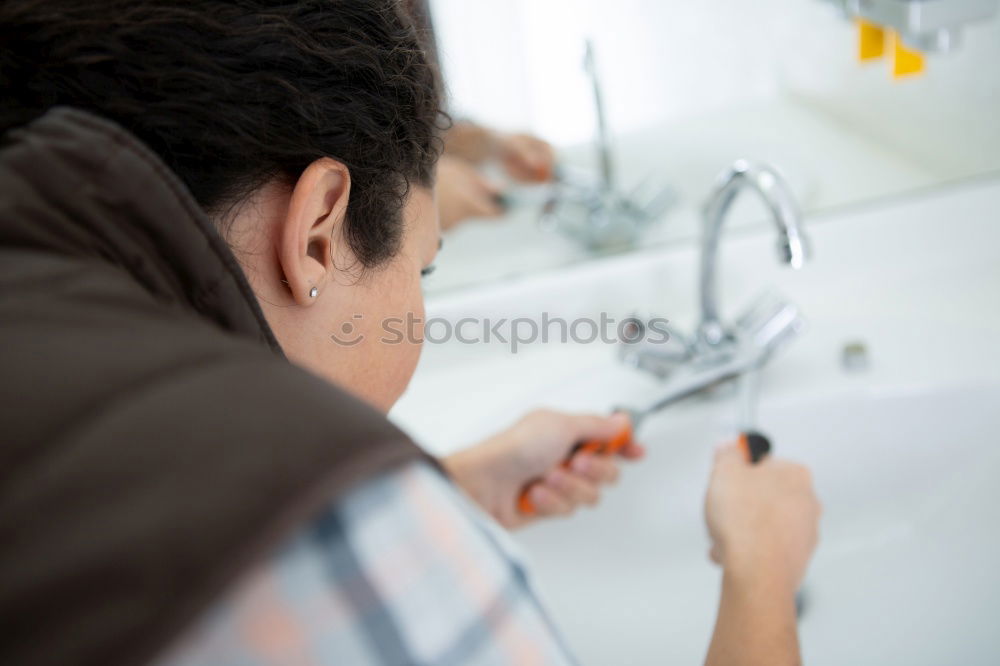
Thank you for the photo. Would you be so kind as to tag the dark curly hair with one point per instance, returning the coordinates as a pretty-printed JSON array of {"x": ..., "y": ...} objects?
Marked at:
[{"x": 233, "y": 95}]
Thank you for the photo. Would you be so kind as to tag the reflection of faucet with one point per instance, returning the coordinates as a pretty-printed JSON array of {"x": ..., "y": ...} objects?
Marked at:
[
  {"x": 791, "y": 246},
  {"x": 719, "y": 353},
  {"x": 603, "y": 138},
  {"x": 595, "y": 213}
]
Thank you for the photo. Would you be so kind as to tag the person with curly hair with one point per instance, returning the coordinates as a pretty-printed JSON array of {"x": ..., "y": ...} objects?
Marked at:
[{"x": 206, "y": 210}]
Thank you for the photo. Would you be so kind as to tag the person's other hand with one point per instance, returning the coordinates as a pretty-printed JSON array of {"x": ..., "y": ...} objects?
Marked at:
[
  {"x": 463, "y": 192},
  {"x": 761, "y": 517},
  {"x": 495, "y": 472},
  {"x": 526, "y": 158}
]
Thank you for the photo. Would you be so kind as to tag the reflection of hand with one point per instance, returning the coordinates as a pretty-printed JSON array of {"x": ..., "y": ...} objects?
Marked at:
[
  {"x": 496, "y": 471},
  {"x": 761, "y": 516},
  {"x": 463, "y": 192},
  {"x": 526, "y": 158}
]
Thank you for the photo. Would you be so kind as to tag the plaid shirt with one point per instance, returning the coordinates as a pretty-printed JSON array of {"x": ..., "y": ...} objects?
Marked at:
[{"x": 404, "y": 570}]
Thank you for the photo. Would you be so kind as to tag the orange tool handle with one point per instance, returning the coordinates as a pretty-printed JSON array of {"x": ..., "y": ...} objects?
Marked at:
[{"x": 601, "y": 447}]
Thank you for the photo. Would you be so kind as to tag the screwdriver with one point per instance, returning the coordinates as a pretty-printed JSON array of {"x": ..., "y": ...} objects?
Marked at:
[{"x": 754, "y": 444}]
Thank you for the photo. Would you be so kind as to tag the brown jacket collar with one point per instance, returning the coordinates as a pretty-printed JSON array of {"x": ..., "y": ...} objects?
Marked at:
[
  {"x": 118, "y": 202},
  {"x": 154, "y": 443}
]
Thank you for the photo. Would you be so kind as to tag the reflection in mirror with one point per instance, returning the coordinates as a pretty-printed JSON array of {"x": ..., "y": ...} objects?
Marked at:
[{"x": 646, "y": 101}]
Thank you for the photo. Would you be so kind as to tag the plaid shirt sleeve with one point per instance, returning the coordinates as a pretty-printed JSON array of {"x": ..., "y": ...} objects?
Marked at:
[{"x": 404, "y": 570}]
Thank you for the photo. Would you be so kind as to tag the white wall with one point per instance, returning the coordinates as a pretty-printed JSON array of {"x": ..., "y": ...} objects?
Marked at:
[{"x": 517, "y": 64}]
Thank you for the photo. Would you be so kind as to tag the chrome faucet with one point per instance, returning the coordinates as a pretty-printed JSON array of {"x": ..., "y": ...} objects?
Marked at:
[
  {"x": 784, "y": 212},
  {"x": 717, "y": 352}
]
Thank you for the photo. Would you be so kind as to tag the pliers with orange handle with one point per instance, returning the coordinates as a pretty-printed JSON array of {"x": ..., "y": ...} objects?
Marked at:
[
  {"x": 755, "y": 447},
  {"x": 607, "y": 447}
]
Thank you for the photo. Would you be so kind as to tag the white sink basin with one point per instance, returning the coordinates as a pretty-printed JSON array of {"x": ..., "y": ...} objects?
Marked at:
[
  {"x": 907, "y": 569},
  {"x": 905, "y": 453}
]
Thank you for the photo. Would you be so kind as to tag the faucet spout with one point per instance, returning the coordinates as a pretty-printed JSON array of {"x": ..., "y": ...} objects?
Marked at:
[{"x": 792, "y": 246}]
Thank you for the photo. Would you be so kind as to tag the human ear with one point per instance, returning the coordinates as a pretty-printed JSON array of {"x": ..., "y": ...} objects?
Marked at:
[{"x": 305, "y": 240}]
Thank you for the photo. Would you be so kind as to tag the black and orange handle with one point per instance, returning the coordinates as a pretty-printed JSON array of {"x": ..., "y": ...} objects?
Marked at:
[
  {"x": 606, "y": 447},
  {"x": 754, "y": 445}
]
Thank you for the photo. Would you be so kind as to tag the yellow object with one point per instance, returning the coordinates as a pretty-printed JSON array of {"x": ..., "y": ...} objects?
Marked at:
[
  {"x": 871, "y": 41},
  {"x": 906, "y": 61}
]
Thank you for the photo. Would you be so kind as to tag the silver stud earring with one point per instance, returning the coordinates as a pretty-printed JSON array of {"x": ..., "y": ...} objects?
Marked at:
[{"x": 313, "y": 292}]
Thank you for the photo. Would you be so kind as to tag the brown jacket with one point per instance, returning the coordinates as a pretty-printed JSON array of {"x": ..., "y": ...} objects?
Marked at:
[{"x": 153, "y": 439}]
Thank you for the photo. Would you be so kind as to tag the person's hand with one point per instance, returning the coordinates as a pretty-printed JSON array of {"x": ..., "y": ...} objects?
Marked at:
[
  {"x": 495, "y": 472},
  {"x": 761, "y": 517},
  {"x": 526, "y": 158},
  {"x": 763, "y": 520},
  {"x": 463, "y": 192}
]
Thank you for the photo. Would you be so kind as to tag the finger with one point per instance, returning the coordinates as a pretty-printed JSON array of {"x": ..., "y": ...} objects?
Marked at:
[
  {"x": 483, "y": 205},
  {"x": 542, "y": 159},
  {"x": 530, "y": 152},
  {"x": 597, "y": 469},
  {"x": 519, "y": 172},
  {"x": 531, "y": 161},
  {"x": 548, "y": 502},
  {"x": 524, "y": 167},
  {"x": 518, "y": 148},
  {"x": 572, "y": 487},
  {"x": 633, "y": 451}
]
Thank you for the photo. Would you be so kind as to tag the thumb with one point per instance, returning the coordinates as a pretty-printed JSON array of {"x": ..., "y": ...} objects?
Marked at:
[
  {"x": 590, "y": 426},
  {"x": 730, "y": 453},
  {"x": 529, "y": 156}
]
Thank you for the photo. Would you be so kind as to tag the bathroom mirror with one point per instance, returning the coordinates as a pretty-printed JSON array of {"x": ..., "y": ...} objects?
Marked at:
[{"x": 686, "y": 89}]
